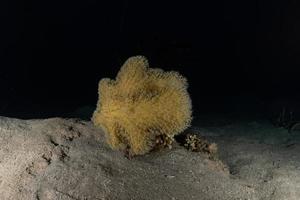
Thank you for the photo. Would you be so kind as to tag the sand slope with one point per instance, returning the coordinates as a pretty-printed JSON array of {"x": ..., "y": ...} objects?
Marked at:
[{"x": 68, "y": 159}]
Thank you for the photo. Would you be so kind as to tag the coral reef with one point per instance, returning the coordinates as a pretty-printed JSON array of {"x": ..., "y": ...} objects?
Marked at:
[{"x": 143, "y": 107}]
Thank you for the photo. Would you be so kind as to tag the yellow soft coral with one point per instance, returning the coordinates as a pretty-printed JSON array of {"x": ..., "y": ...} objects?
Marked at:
[{"x": 141, "y": 105}]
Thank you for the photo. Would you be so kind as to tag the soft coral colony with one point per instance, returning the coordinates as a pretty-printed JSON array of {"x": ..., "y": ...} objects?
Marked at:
[{"x": 143, "y": 107}]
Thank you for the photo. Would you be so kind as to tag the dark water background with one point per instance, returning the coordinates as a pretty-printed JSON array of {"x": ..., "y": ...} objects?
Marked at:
[{"x": 237, "y": 55}]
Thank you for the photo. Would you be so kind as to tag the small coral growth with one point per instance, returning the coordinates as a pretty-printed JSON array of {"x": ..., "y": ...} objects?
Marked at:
[
  {"x": 143, "y": 108},
  {"x": 163, "y": 141},
  {"x": 196, "y": 143}
]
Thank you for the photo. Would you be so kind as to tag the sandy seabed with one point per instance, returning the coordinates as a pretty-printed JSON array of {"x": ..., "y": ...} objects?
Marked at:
[{"x": 68, "y": 159}]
